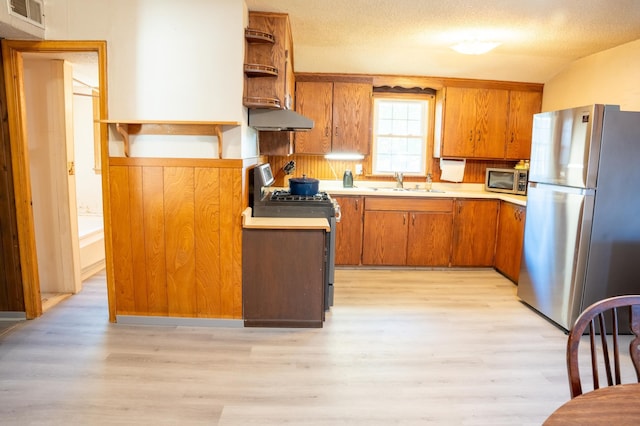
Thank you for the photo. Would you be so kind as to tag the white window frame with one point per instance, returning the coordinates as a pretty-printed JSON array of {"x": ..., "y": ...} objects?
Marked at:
[{"x": 428, "y": 104}]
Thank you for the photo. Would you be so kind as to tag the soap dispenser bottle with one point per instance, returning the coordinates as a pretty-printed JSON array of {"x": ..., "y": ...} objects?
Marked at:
[{"x": 347, "y": 179}]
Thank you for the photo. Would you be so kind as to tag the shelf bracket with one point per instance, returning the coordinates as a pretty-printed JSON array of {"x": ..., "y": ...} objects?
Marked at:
[
  {"x": 218, "y": 132},
  {"x": 123, "y": 129}
]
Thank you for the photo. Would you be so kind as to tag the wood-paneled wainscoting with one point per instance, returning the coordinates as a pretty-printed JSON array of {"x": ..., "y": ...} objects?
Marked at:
[{"x": 177, "y": 236}]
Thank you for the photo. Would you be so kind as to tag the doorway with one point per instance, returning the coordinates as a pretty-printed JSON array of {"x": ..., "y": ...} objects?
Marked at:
[{"x": 47, "y": 212}]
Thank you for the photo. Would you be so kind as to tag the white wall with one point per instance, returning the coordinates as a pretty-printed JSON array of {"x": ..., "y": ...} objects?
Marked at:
[
  {"x": 88, "y": 183},
  {"x": 609, "y": 77},
  {"x": 167, "y": 59}
]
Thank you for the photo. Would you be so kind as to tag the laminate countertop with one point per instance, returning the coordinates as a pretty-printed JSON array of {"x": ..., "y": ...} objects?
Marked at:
[
  {"x": 439, "y": 190},
  {"x": 251, "y": 222}
]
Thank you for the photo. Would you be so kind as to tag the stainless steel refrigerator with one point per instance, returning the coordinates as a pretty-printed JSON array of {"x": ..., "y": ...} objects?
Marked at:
[{"x": 582, "y": 228}]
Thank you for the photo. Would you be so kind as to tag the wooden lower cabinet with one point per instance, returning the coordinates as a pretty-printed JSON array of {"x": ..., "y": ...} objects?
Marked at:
[
  {"x": 429, "y": 240},
  {"x": 349, "y": 231},
  {"x": 510, "y": 237},
  {"x": 385, "y": 238},
  {"x": 409, "y": 232},
  {"x": 390, "y": 231},
  {"x": 474, "y": 232}
]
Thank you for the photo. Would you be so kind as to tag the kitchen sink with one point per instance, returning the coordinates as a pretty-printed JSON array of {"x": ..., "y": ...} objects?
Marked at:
[
  {"x": 426, "y": 190},
  {"x": 387, "y": 189}
]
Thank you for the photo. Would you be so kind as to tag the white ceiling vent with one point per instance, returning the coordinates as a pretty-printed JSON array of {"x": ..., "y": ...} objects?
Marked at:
[{"x": 29, "y": 10}]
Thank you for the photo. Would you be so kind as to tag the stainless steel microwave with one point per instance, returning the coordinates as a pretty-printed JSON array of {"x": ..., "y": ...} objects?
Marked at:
[{"x": 510, "y": 181}]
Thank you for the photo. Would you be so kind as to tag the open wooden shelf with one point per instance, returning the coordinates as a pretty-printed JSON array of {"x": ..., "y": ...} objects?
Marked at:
[
  {"x": 255, "y": 102},
  {"x": 260, "y": 70},
  {"x": 252, "y": 35},
  {"x": 150, "y": 127}
]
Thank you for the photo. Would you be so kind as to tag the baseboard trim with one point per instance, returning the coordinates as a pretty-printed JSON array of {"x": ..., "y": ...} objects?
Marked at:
[
  {"x": 178, "y": 321},
  {"x": 12, "y": 316},
  {"x": 91, "y": 270}
]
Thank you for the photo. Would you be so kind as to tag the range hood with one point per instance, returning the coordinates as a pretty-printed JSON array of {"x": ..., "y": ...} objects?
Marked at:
[{"x": 278, "y": 120}]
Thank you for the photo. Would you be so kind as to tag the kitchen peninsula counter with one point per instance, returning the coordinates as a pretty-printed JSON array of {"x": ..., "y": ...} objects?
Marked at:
[
  {"x": 250, "y": 222},
  {"x": 283, "y": 271}
]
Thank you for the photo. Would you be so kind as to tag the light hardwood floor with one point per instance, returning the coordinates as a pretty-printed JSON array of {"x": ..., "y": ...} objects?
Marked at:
[{"x": 405, "y": 347}]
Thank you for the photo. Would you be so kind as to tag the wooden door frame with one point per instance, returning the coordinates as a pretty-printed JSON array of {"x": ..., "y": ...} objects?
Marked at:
[{"x": 12, "y": 51}]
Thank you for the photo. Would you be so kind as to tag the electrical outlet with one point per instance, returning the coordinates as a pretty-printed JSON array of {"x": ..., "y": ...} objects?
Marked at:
[{"x": 358, "y": 169}]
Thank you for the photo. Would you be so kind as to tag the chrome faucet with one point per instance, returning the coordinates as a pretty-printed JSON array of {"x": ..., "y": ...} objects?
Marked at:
[{"x": 399, "y": 179}]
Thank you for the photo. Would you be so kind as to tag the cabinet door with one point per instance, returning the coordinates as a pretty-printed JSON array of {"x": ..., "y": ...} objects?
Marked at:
[
  {"x": 429, "y": 239},
  {"x": 492, "y": 118},
  {"x": 315, "y": 100},
  {"x": 474, "y": 233},
  {"x": 351, "y": 117},
  {"x": 522, "y": 106},
  {"x": 509, "y": 239},
  {"x": 385, "y": 238},
  {"x": 349, "y": 231},
  {"x": 459, "y": 122}
]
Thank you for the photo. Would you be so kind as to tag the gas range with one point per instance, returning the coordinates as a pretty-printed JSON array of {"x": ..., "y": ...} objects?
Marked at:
[{"x": 281, "y": 203}]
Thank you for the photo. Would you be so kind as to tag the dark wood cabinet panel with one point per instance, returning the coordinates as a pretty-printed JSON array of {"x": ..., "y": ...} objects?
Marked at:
[
  {"x": 11, "y": 291},
  {"x": 283, "y": 277}
]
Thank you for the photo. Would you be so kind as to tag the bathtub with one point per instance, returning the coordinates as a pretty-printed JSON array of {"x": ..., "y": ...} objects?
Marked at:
[{"x": 91, "y": 236}]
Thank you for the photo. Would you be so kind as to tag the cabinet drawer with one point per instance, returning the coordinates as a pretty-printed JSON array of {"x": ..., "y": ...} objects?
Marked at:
[{"x": 408, "y": 204}]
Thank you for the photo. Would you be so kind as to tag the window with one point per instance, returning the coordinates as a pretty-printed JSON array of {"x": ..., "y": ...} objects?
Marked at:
[{"x": 400, "y": 134}]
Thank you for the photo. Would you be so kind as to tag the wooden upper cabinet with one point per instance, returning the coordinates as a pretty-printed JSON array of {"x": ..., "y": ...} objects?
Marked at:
[
  {"x": 315, "y": 100},
  {"x": 475, "y": 122},
  {"x": 268, "y": 66},
  {"x": 341, "y": 112},
  {"x": 488, "y": 123},
  {"x": 351, "y": 117},
  {"x": 522, "y": 107}
]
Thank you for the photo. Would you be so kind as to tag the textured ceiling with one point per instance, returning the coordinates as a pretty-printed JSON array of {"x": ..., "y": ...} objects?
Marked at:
[{"x": 413, "y": 37}]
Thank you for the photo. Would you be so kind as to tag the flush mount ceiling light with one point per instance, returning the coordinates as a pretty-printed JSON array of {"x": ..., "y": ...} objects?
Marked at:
[{"x": 474, "y": 47}]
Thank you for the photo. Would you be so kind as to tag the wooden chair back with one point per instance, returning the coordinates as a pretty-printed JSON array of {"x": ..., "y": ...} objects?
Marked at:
[{"x": 602, "y": 320}]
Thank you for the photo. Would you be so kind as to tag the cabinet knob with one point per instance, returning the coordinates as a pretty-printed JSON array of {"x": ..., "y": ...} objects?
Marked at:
[
  {"x": 336, "y": 133},
  {"x": 357, "y": 204},
  {"x": 326, "y": 131},
  {"x": 470, "y": 135}
]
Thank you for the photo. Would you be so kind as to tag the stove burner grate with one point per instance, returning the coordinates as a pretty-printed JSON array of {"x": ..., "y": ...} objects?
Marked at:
[{"x": 282, "y": 195}]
